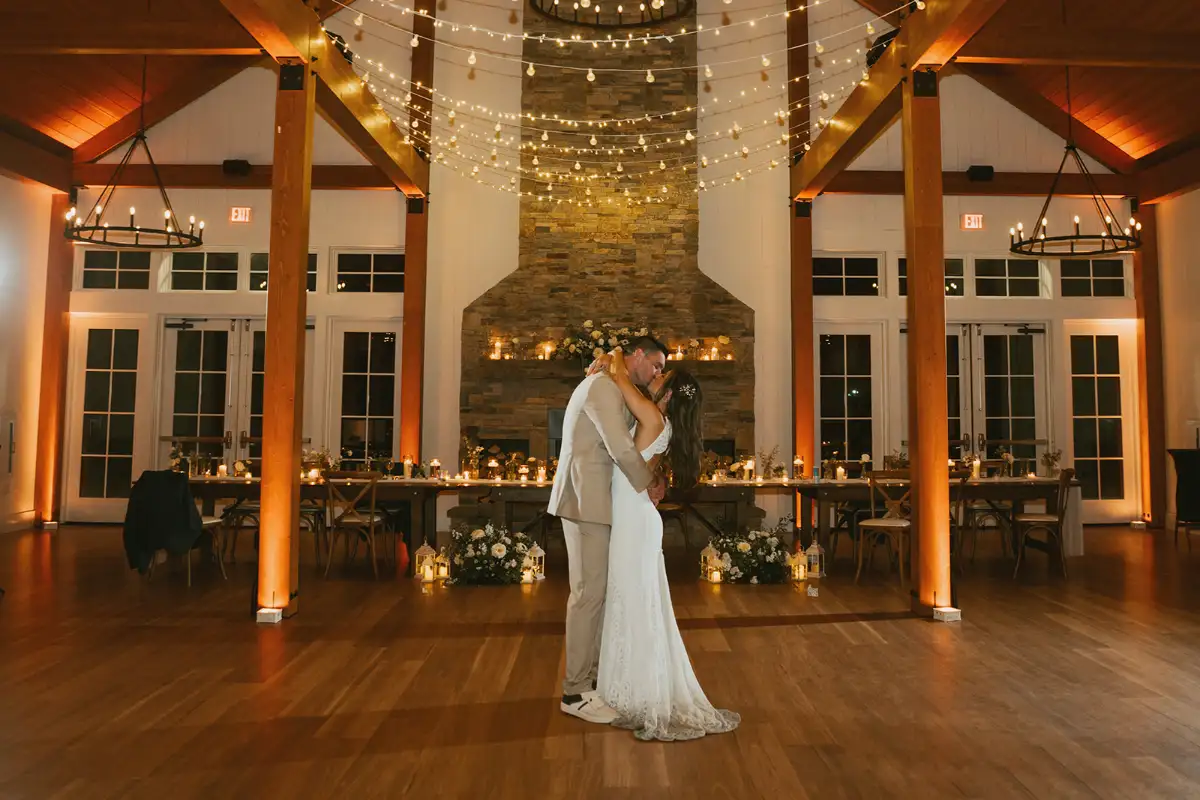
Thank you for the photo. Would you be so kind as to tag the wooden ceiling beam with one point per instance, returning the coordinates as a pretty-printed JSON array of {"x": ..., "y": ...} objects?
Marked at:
[
  {"x": 1003, "y": 184},
  {"x": 1054, "y": 45},
  {"x": 998, "y": 80},
  {"x": 289, "y": 30},
  {"x": 212, "y": 176},
  {"x": 1170, "y": 179},
  {"x": 23, "y": 158},
  {"x": 173, "y": 28},
  {"x": 929, "y": 38}
]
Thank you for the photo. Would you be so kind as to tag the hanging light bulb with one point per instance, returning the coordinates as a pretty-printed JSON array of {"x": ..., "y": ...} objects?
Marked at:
[
  {"x": 578, "y": 166},
  {"x": 452, "y": 116},
  {"x": 358, "y": 20},
  {"x": 745, "y": 152},
  {"x": 497, "y": 127},
  {"x": 642, "y": 140},
  {"x": 414, "y": 41},
  {"x": 807, "y": 146},
  {"x": 870, "y": 29},
  {"x": 592, "y": 141},
  {"x": 920, "y": 5},
  {"x": 585, "y": 3},
  {"x": 820, "y": 48},
  {"x": 662, "y": 164},
  {"x": 535, "y": 161},
  {"x": 702, "y": 186},
  {"x": 620, "y": 167},
  {"x": 471, "y": 59},
  {"x": 664, "y": 190},
  {"x": 649, "y": 76},
  {"x": 588, "y": 191},
  {"x": 591, "y": 76},
  {"x": 689, "y": 136},
  {"x": 704, "y": 161},
  {"x": 545, "y": 136},
  {"x": 494, "y": 154},
  {"x": 766, "y": 62},
  {"x": 707, "y": 71},
  {"x": 530, "y": 71}
]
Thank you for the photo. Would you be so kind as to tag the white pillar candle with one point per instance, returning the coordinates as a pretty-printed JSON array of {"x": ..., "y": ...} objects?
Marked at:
[
  {"x": 222, "y": 470},
  {"x": 841, "y": 473}
]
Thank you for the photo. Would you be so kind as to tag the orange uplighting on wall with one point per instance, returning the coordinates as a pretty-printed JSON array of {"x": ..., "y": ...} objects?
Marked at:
[{"x": 971, "y": 222}]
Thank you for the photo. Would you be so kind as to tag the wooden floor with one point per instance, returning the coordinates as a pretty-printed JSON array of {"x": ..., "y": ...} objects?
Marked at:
[{"x": 114, "y": 687}]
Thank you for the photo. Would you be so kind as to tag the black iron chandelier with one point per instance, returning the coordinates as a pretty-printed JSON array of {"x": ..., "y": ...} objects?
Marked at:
[
  {"x": 95, "y": 228},
  {"x": 1110, "y": 238},
  {"x": 613, "y": 13}
]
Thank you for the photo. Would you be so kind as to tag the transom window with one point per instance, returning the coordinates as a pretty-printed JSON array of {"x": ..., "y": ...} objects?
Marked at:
[
  {"x": 848, "y": 276},
  {"x": 1101, "y": 277},
  {"x": 116, "y": 269},
  {"x": 1007, "y": 277},
  {"x": 258, "y": 272},
  {"x": 955, "y": 277},
  {"x": 370, "y": 272},
  {"x": 204, "y": 272}
]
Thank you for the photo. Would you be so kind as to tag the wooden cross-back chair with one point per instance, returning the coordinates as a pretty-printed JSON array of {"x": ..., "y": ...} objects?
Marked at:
[
  {"x": 1050, "y": 524},
  {"x": 891, "y": 489},
  {"x": 351, "y": 510}
]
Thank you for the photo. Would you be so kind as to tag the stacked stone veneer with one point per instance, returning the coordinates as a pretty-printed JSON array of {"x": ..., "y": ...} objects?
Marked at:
[{"x": 614, "y": 260}]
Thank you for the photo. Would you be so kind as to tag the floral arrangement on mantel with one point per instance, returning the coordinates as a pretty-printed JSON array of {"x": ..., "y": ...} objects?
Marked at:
[
  {"x": 487, "y": 555},
  {"x": 755, "y": 557},
  {"x": 591, "y": 340}
]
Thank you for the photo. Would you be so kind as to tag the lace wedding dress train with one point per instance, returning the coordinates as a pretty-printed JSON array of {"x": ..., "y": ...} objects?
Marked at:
[{"x": 645, "y": 673}]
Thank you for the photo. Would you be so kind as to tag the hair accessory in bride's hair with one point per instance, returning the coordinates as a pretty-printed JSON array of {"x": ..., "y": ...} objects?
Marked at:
[{"x": 688, "y": 389}]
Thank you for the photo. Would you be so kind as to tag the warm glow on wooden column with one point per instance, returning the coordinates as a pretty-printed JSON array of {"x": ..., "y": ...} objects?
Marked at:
[
  {"x": 925, "y": 249},
  {"x": 1152, "y": 435},
  {"x": 412, "y": 345},
  {"x": 803, "y": 379},
  {"x": 283, "y": 401},
  {"x": 47, "y": 491}
]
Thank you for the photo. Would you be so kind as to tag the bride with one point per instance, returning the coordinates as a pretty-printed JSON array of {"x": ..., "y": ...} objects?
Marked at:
[{"x": 645, "y": 673}]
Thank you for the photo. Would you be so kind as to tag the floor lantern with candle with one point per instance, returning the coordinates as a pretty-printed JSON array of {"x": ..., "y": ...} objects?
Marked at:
[
  {"x": 425, "y": 566},
  {"x": 711, "y": 566},
  {"x": 815, "y": 557},
  {"x": 441, "y": 566},
  {"x": 537, "y": 561}
]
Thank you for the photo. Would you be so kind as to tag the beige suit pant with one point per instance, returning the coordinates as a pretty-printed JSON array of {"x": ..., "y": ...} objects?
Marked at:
[{"x": 587, "y": 558}]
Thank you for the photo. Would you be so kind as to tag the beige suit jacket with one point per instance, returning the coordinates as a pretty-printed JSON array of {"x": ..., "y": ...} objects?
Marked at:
[{"x": 595, "y": 435}]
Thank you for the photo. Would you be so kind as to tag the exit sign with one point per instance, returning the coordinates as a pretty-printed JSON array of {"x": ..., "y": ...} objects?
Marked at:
[
  {"x": 972, "y": 222},
  {"x": 240, "y": 213}
]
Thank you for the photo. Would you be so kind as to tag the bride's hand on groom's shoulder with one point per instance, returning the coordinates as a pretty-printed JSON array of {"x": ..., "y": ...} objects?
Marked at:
[{"x": 601, "y": 364}]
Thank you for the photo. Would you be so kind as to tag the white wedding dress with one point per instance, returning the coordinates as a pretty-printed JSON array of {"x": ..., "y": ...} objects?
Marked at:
[{"x": 645, "y": 674}]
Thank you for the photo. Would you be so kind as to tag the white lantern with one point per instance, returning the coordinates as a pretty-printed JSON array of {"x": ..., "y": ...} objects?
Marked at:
[
  {"x": 425, "y": 563},
  {"x": 815, "y": 557},
  {"x": 798, "y": 566},
  {"x": 441, "y": 566},
  {"x": 537, "y": 561},
  {"x": 711, "y": 566}
]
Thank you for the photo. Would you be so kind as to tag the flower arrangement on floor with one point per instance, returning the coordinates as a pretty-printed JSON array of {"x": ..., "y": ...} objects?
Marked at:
[
  {"x": 754, "y": 557},
  {"x": 488, "y": 555}
]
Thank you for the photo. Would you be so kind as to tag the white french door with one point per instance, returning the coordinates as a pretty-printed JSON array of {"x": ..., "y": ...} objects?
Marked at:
[
  {"x": 212, "y": 394},
  {"x": 958, "y": 400},
  {"x": 1008, "y": 392},
  {"x": 108, "y": 439}
]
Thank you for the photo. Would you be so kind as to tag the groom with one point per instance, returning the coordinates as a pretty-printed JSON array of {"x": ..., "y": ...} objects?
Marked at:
[{"x": 596, "y": 433}]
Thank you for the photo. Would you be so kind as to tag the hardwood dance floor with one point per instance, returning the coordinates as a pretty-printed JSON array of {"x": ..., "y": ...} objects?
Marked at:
[{"x": 114, "y": 687}]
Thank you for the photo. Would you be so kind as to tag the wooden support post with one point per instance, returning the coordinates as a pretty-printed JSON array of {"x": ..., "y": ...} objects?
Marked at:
[
  {"x": 1152, "y": 437},
  {"x": 416, "y": 248},
  {"x": 925, "y": 248},
  {"x": 803, "y": 378},
  {"x": 803, "y": 368},
  {"x": 283, "y": 396},
  {"x": 52, "y": 397},
  {"x": 412, "y": 346}
]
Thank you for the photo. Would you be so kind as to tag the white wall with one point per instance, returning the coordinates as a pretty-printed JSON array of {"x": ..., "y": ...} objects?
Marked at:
[
  {"x": 1179, "y": 264},
  {"x": 24, "y": 236}
]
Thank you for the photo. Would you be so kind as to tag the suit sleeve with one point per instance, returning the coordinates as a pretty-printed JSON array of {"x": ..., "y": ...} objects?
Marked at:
[{"x": 604, "y": 407}]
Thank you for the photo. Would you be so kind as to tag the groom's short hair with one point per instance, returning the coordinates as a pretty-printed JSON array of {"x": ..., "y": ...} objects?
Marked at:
[{"x": 648, "y": 345}]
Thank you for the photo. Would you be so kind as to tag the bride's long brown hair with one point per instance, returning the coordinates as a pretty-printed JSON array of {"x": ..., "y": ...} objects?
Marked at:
[{"x": 684, "y": 410}]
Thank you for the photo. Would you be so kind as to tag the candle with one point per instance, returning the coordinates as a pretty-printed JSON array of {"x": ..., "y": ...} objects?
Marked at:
[
  {"x": 427, "y": 574},
  {"x": 527, "y": 576},
  {"x": 313, "y": 474},
  {"x": 950, "y": 463},
  {"x": 729, "y": 356},
  {"x": 435, "y": 468},
  {"x": 714, "y": 353},
  {"x": 222, "y": 471},
  {"x": 1031, "y": 475},
  {"x": 496, "y": 352},
  {"x": 548, "y": 351},
  {"x": 679, "y": 353},
  {"x": 975, "y": 468},
  {"x": 408, "y": 465},
  {"x": 841, "y": 473},
  {"x": 541, "y": 475},
  {"x": 715, "y": 576},
  {"x": 443, "y": 572},
  {"x": 797, "y": 467},
  {"x": 748, "y": 468}
]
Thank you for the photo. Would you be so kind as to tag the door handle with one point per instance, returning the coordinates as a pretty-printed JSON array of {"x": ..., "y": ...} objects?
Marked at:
[
  {"x": 244, "y": 439},
  {"x": 228, "y": 441}
]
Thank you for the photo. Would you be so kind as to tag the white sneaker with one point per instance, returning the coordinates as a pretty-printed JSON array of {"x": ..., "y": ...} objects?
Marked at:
[{"x": 590, "y": 708}]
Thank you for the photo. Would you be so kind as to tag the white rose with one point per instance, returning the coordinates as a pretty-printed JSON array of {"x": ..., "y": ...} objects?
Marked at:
[
  {"x": 458, "y": 560},
  {"x": 527, "y": 563},
  {"x": 571, "y": 348},
  {"x": 754, "y": 579},
  {"x": 599, "y": 351},
  {"x": 587, "y": 323},
  {"x": 642, "y": 332},
  {"x": 693, "y": 343},
  {"x": 723, "y": 339},
  {"x": 753, "y": 535},
  {"x": 743, "y": 547},
  {"x": 612, "y": 342},
  {"x": 470, "y": 551},
  {"x": 507, "y": 540},
  {"x": 521, "y": 548},
  {"x": 512, "y": 564},
  {"x": 477, "y": 534},
  {"x": 499, "y": 550},
  {"x": 771, "y": 557},
  {"x": 597, "y": 335}
]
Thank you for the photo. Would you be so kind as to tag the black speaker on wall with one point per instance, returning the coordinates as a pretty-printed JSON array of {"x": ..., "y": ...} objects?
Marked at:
[
  {"x": 980, "y": 173},
  {"x": 235, "y": 167}
]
